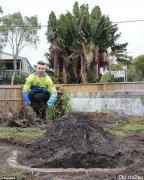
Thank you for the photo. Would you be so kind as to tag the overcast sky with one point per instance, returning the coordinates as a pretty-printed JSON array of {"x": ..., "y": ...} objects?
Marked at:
[{"x": 117, "y": 10}]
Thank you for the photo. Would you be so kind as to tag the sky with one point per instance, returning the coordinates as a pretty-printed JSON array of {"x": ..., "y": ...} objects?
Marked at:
[{"x": 117, "y": 10}]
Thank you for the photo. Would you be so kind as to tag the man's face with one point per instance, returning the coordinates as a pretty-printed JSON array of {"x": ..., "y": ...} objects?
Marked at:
[{"x": 40, "y": 69}]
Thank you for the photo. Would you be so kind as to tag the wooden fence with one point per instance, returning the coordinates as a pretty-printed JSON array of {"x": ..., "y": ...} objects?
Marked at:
[
  {"x": 11, "y": 98},
  {"x": 124, "y": 86}
]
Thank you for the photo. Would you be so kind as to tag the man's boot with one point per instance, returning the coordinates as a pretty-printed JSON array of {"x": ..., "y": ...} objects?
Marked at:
[
  {"x": 43, "y": 113},
  {"x": 44, "y": 119},
  {"x": 38, "y": 117},
  {"x": 35, "y": 107}
]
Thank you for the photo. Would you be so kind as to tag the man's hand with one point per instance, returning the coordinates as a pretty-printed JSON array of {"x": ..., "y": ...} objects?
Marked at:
[
  {"x": 26, "y": 97},
  {"x": 52, "y": 99}
]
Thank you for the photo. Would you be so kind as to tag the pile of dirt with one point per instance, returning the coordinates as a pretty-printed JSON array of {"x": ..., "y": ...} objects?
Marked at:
[{"x": 77, "y": 141}]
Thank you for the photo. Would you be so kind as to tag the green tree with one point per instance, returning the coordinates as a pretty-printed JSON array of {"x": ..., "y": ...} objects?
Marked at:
[
  {"x": 136, "y": 69},
  {"x": 132, "y": 74},
  {"x": 3, "y": 35},
  {"x": 80, "y": 42},
  {"x": 21, "y": 32},
  {"x": 139, "y": 66}
]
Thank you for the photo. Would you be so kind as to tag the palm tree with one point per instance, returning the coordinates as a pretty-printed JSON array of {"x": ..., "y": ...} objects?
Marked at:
[{"x": 79, "y": 44}]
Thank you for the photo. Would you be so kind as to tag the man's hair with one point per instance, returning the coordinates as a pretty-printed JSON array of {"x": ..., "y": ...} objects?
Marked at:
[{"x": 41, "y": 63}]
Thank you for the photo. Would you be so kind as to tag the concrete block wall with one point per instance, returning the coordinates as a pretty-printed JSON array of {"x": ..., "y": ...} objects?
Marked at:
[{"x": 122, "y": 102}]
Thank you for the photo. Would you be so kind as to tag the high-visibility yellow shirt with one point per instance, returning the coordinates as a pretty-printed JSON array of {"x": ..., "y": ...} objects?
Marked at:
[{"x": 43, "y": 82}]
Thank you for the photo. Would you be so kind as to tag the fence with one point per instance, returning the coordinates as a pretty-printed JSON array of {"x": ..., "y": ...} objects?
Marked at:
[
  {"x": 122, "y": 86},
  {"x": 11, "y": 99}
]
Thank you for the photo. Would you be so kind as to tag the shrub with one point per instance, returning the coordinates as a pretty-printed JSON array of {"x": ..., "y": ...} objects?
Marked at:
[
  {"x": 20, "y": 78},
  {"x": 108, "y": 77},
  {"x": 61, "y": 106}
]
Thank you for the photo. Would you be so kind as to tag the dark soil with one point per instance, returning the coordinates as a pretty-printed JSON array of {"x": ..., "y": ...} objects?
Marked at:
[
  {"x": 19, "y": 120},
  {"x": 77, "y": 141}
]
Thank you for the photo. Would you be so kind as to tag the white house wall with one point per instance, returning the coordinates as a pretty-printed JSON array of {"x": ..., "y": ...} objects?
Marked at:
[{"x": 25, "y": 67}]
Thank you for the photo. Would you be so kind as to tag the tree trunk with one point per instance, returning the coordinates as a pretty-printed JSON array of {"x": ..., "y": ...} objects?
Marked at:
[
  {"x": 55, "y": 58},
  {"x": 64, "y": 72},
  {"x": 83, "y": 65},
  {"x": 13, "y": 78},
  {"x": 104, "y": 59},
  {"x": 96, "y": 67},
  {"x": 74, "y": 69},
  {"x": 56, "y": 66},
  {"x": 15, "y": 69}
]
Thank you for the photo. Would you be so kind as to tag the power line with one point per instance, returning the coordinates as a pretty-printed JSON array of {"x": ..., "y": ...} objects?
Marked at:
[
  {"x": 22, "y": 26},
  {"x": 130, "y": 21},
  {"x": 116, "y": 22}
]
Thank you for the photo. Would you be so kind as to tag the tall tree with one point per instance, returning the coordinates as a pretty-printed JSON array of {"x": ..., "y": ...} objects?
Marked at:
[
  {"x": 3, "y": 35},
  {"x": 21, "y": 32},
  {"x": 82, "y": 43},
  {"x": 138, "y": 62},
  {"x": 52, "y": 38}
]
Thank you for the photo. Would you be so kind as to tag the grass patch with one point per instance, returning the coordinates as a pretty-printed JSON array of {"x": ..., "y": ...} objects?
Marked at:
[
  {"x": 10, "y": 172},
  {"x": 121, "y": 128},
  {"x": 26, "y": 136},
  {"x": 117, "y": 133},
  {"x": 135, "y": 119},
  {"x": 133, "y": 127},
  {"x": 8, "y": 132}
]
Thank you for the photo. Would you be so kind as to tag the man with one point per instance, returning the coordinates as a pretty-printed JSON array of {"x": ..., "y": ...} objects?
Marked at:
[{"x": 39, "y": 91}]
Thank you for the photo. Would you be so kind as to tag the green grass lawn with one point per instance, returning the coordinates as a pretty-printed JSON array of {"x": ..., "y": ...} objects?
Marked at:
[
  {"x": 121, "y": 128},
  {"x": 9, "y": 132}
]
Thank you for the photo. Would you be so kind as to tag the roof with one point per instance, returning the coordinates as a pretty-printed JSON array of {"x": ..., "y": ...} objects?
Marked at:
[{"x": 4, "y": 55}]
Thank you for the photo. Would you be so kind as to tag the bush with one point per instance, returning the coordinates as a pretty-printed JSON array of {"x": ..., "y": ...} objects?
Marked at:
[
  {"x": 21, "y": 78},
  {"x": 61, "y": 106},
  {"x": 132, "y": 74},
  {"x": 136, "y": 69},
  {"x": 108, "y": 77}
]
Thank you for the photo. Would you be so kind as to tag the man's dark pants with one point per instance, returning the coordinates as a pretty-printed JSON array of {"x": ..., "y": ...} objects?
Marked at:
[{"x": 39, "y": 103}]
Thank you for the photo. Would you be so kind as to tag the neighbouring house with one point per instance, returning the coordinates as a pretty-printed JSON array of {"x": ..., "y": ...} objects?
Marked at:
[{"x": 23, "y": 65}]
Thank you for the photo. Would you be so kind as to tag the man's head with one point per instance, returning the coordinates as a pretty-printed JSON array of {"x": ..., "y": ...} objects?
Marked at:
[{"x": 40, "y": 67}]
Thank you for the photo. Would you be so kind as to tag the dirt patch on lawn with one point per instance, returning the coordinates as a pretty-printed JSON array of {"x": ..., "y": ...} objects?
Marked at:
[{"x": 79, "y": 140}]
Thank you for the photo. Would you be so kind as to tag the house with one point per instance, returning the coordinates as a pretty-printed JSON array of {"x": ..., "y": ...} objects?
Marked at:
[{"x": 23, "y": 65}]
